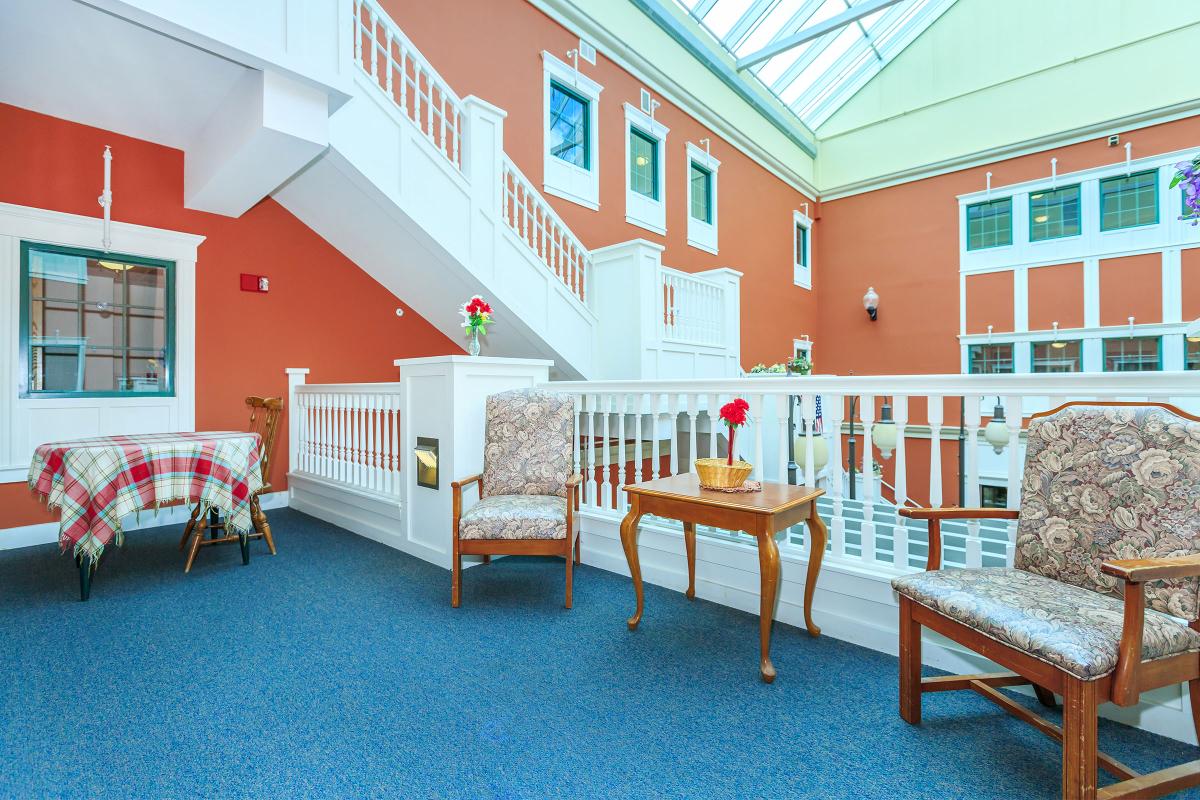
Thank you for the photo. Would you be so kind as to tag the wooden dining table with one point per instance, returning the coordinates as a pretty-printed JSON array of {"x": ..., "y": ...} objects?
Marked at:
[
  {"x": 96, "y": 482},
  {"x": 763, "y": 514}
]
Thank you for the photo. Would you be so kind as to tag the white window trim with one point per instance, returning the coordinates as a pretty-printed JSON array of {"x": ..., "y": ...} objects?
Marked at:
[
  {"x": 23, "y": 418},
  {"x": 561, "y": 179},
  {"x": 640, "y": 210},
  {"x": 801, "y": 274},
  {"x": 702, "y": 235}
]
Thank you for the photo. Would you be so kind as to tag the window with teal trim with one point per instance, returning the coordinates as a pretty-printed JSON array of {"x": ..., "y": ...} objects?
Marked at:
[
  {"x": 1191, "y": 352},
  {"x": 1129, "y": 201},
  {"x": 990, "y": 359},
  {"x": 801, "y": 245},
  {"x": 1056, "y": 357},
  {"x": 94, "y": 323},
  {"x": 643, "y": 163},
  {"x": 569, "y": 139},
  {"x": 1054, "y": 214},
  {"x": 1132, "y": 354},
  {"x": 989, "y": 224},
  {"x": 701, "y": 180}
]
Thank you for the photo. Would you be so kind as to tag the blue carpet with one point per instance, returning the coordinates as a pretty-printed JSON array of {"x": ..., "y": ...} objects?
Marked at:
[{"x": 338, "y": 669}]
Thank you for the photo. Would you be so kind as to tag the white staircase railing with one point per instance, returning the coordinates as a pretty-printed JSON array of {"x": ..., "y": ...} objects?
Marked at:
[
  {"x": 693, "y": 309},
  {"x": 383, "y": 52},
  {"x": 535, "y": 222}
]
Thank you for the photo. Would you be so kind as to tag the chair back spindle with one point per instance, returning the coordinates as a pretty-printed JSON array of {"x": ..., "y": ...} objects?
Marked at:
[{"x": 264, "y": 420}]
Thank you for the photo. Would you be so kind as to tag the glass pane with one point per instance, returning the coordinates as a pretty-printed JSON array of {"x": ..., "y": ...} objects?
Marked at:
[
  {"x": 1136, "y": 354},
  {"x": 801, "y": 246},
  {"x": 1191, "y": 353},
  {"x": 1127, "y": 202},
  {"x": 643, "y": 164},
  {"x": 103, "y": 325},
  {"x": 105, "y": 282},
  {"x": 1054, "y": 214},
  {"x": 145, "y": 373},
  {"x": 146, "y": 287},
  {"x": 701, "y": 180},
  {"x": 991, "y": 359},
  {"x": 568, "y": 126},
  {"x": 989, "y": 224},
  {"x": 102, "y": 370},
  {"x": 55, "y": 369},
  {"x": 1056, "y": 357}
]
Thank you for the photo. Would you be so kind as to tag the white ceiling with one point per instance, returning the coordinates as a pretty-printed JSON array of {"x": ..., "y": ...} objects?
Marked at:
[{"x": 69, "y": 60}]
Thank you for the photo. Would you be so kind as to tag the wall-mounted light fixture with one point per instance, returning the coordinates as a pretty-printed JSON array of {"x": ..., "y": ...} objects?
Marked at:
[
  {"x": 884, "y": 433},
  {"x": 871, "y": 303},
  {"x": 996, "y": 432},
  {"x": 1131, "y": 327},
  {"x": 426, "y": 453},
  {"x": 1056, "y": 344},
  {"x": 105, "y": 199}
]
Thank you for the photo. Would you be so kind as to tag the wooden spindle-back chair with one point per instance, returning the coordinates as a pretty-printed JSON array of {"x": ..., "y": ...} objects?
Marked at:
[{"x": 265, "y": 413}]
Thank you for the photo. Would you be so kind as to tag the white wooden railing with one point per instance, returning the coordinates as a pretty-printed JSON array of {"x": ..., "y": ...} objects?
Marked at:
[
  {"x": 535, "y": 222},
  {"x": 392, "y": 61},
  {"x": 693, "y": 309},
  {"x": 348, "y": 435},
  {"x": 639, "y": 430}
]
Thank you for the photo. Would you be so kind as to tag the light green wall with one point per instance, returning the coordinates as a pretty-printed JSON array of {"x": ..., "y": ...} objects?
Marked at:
[{"x": 990, "y": 74}]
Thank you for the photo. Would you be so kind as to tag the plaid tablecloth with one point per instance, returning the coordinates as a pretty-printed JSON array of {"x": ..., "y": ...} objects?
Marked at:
[{"x": 95, "y": 482}]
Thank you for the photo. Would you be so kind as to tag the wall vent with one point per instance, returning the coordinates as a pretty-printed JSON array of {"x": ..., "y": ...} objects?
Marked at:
[
  {"x": 587, "y": 51},
  {"x": 646, "y": 103}
]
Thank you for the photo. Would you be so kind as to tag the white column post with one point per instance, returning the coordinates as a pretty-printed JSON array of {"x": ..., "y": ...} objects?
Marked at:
[{"x": 295, "y": 378}]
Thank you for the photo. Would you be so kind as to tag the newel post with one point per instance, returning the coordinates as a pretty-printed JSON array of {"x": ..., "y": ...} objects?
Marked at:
[
  {"x": 626, "y": 293},
  {"x": 295, "y": 378},
  {"x": 483, "y": 154}
]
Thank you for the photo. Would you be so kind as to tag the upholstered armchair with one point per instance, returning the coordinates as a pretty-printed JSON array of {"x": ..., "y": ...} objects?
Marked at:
[
  {"x": 1101, "y": 603},
  {"x": 528, "y": 494}
]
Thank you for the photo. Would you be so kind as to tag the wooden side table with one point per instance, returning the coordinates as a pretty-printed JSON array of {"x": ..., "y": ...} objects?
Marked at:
[{"x": 761, "y": 514}]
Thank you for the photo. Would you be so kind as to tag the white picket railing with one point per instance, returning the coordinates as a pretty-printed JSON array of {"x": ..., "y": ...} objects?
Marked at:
[
  {"x": 535, "y": 222},
  {"x": 348, "y": 435},
  {"x": 384, "y": 53},
  {"x": 693, "y": 309},
  {"x": 631, "y": 431}
]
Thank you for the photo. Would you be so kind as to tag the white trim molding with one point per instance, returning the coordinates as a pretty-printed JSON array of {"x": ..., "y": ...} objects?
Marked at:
[
  {"x": 802, "y": 272},
  {"x": 26, "y": 422},
  {"x": 646, "y": 212},
  {"x": 701, "y": 234},
  {"x": 562, "y": 179}
]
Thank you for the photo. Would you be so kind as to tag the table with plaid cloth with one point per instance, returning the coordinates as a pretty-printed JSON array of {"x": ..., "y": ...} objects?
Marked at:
[{"x": 95, "y": 482}]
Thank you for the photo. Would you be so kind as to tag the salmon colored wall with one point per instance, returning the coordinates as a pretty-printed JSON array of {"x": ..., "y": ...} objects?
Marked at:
[
  {"x": 498, "y": 58},
  {"x": 903, "y": 240},
  {"x": 319, "y": 306},
  {"x": 1191, "y": 284},
  {"x": 990, "y": 302},
  {"x": 1056, "y": 295},
  {"x": 1131, "y": 287}
]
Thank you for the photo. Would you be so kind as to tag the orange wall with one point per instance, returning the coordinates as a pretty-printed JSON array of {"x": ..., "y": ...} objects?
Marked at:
[
  {"x": 990, "y": 302},
  {"x": 903, "y": 240},
  {"x": 498, "y": 58},
  {"x": 322, "y": 311},
  {"x": 1056, "y": 295},
  {"x": 1131, "y": 287}
]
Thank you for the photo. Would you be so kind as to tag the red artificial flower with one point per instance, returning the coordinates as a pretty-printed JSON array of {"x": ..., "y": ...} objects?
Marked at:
[
  {"x": 734, "y": 414},
  {"x": 478, "y": 306}
]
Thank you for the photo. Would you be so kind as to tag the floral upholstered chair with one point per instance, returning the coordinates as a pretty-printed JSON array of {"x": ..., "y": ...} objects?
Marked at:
[
  {"x": 528, "y": 494},
  {"x": 1101, "y": 604}
]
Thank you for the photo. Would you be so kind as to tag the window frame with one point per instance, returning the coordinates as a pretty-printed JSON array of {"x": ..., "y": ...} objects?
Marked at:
[
  {"x": 561, "y": 88},
  {"x": 1012, "y": 356},
  {"x": 1188, "y": 345},
  {"x": 1033, "y": 356},
  {"x": 802, "y": 269},
  {"x": 967, "y": 223},
  {"x": 580, "y": 185},
  {"x": 702, "y": 234},
  {"x": 646, "y": 212},
  {"x": 1078, "y": 187},
  {"x": 1100, "y": 199},
  {"x": 25, "y": 355},
  {"x": 1104, "y": 352}
]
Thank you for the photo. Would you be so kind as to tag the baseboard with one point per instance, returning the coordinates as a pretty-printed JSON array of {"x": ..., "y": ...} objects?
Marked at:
[{"x": 47, "y": 532}]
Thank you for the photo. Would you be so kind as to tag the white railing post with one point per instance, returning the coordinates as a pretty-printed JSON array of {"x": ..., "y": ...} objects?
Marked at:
[
  {"x": 295, "y": 425},
  {"x": 900, "y": 531},
  {"x": 483, "y": 156},
  {"x": 866, "y": 413},
  {"x": 935, "y": 416},
  {"x": 974, "y": 557}
]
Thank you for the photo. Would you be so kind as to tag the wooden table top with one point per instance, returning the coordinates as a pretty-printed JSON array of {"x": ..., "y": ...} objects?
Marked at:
[{"x": 774, "y": 497}]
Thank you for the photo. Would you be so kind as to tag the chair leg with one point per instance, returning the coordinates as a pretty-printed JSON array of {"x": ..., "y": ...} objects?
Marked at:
[
  {"x": 570, "y": 565},
  {"x": 910, "y": 664},
  {"x": 197, "y": 536},
  {"x": 187, "y": 529},
  {"x": 1045, "y": 696},
  {"x": 487, "y": 559},
  {"x": 261, "y": 525},
  {"x": 1079, "y": 740},
  {"x": 455, "y": 576},
  {"x": 577, "y": 547},
  {"x": 1194, "y": 695}
]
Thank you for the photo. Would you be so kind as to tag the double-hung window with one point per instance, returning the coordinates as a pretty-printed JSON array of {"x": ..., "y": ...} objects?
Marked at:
[
  {"x": 570, "y": 133},
  {"x": 702, "y": 198},
  {"x": 95, "y": 324},
  {"x": 1191, "y": 352},
  {"x": 1132, "y": 354},
  {"x": 570, "y": 120},
  {"x": 989, "y": 224},
  {"x": 1054, "y": 213},
  {"x": 802, "y": 249},
  {"x": 990, "y": 359},
  {"x": 1129, "y": 201},
  {"x": 645, "y": 185},
  {"x": 1057, "y": 356}
]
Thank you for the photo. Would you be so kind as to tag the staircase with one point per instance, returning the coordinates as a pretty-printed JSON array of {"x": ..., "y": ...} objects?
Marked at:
[{"x": 416, "y": 189}]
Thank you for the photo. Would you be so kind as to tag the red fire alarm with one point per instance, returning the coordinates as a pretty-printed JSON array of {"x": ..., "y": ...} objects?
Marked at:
[{"x": 254, "y": 283}]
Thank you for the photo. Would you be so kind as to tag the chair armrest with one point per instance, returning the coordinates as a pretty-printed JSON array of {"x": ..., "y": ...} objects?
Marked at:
[
  {"x": 573, "y": 484},
  {"x": 459, "y": 485},
  {"x": 574, "y": 480},
  {"x": 1140, "y": 570},
  {"x": 959, "y": 513}
]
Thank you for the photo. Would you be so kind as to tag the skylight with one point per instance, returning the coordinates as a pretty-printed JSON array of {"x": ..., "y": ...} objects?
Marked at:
[{"x": 816, "y": 77}]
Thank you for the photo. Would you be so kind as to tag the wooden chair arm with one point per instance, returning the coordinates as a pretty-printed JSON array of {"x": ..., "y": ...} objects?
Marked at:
[
  {"x": 1140, "y": 570},
  {"x": 573, "y": 484},
  {"x": 458, "y": 485},
  {"x": 959, "y": 513}
]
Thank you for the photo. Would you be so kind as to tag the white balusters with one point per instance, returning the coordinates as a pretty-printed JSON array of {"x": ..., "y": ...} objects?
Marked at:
[
  {"x": 974, "y": 554},
  {"x": 592, "y": 489},
  {"x": 756, "y": 418},
  {"x": 866, "y": 412},
  {"x": 639, "y": 447},
  {"x": 1012, "y": 415},
  {"x": 608, "y": 493},
  {"x": 349, "y": 435},
  {"x": 693, "y": 309},
  {"x": 622, "y": 407},
  {"x": 808, "y": 415},
  {"x": 935, "y": 417},
  {"x": 693, "y": 409},
  {"x": 835, "y": 412},
  {"x": 900, "y": 532}
]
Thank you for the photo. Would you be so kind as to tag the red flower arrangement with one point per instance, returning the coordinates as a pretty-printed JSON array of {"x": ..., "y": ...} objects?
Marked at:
[
  {"x": 733, "y": 414},
  {"x": 477, "y": 314}
]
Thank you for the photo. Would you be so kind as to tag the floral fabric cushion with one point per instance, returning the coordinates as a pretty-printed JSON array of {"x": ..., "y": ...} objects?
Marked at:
[
  {"x": 1103, "y": 483},
  {"x": 527, "y": 445},
  {"x": 515, "y": 516},
  {"x": 1075, "y": 629}
]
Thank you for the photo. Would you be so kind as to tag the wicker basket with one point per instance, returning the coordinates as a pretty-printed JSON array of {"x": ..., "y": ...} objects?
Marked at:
[{"x": 715, "y": 473}]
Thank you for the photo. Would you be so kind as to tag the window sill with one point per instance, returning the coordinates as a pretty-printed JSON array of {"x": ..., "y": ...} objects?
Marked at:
[
  {"x": 702, "y": 246},
  {"x": 650, "y": 226},
  {"x": 571, "y": 196}
]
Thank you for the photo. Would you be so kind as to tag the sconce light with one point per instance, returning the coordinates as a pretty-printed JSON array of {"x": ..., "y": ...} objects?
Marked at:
[
  {"x": 871, "y": 303},
  {"x": 1131, "y": 327},
  {"x": 426, "y": 453},
  {"x": 996, "y": 432},
  {"x": 884, "y": 433},
  {"x": 1056, "y": 344}
]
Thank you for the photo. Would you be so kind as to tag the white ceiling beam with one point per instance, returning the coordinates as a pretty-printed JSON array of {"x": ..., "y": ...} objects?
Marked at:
[{"x": 848, "y": 16}]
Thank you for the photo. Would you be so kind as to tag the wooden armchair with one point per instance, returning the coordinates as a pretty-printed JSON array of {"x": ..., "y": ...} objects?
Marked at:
[
  {"x": 1075, "y": 616},
  {"x": 265, "y": 413},
  {"x": 528, "y": 496}
]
